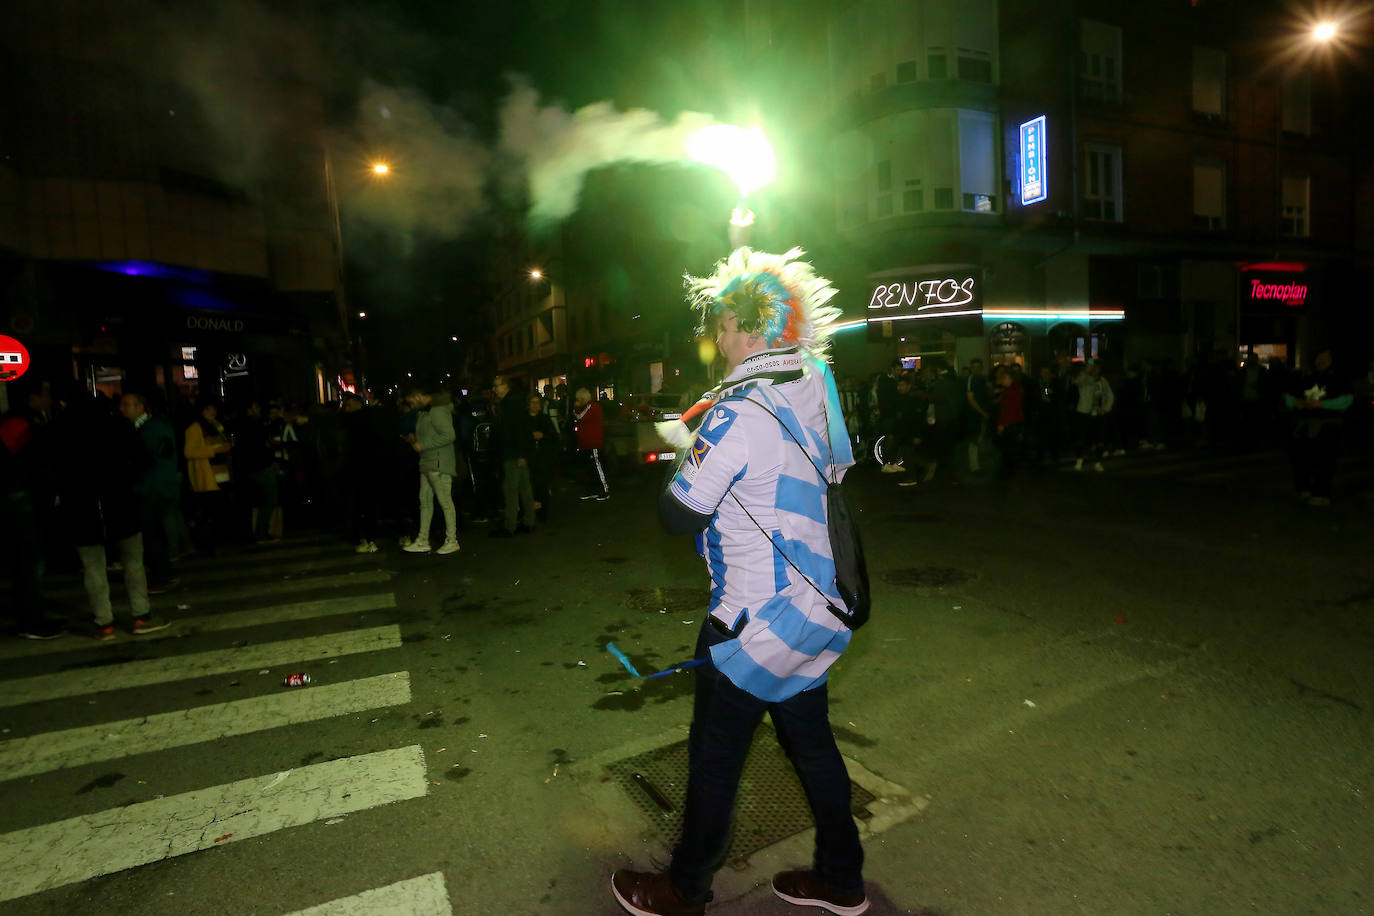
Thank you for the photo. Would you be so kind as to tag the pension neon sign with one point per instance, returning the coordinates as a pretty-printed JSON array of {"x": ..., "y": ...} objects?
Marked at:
[{"x": 1034, "y": 187}]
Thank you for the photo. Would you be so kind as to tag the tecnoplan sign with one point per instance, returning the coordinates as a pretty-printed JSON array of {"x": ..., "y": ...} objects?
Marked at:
[
  {"x": 1034, "y": 185},
  {"x": 1290, "y": 290},
  {"x": 940, "y": 294}
]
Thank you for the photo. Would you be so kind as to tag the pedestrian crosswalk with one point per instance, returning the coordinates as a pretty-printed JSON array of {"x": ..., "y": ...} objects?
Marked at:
[{"x": 225, "y": 806}]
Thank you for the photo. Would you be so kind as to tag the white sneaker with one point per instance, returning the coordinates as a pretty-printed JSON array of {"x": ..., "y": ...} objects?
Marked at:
[
  {"x": 366, "y": 547},
  {"x": 1078, "y": 464},
  {"x": 893, "y": 468},
  {"x": 416, "y": 547},
  {"x": 1097, "y": 466},
  {"x": 447, "y": 547}
]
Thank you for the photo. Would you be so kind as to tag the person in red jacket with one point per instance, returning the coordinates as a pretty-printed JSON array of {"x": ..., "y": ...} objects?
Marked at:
[
  {"x": 590, "y": 427},
  {"x": 1011, "y": 418}
]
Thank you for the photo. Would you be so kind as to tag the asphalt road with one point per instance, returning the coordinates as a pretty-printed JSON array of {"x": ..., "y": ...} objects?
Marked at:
[{"x": 1142, "y": 691}]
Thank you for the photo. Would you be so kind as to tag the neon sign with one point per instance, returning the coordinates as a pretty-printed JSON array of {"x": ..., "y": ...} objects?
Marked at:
[
  {"x": 944, "y": 293},
  {"x": 1294, "y": 294},
  {"x": 1034, "y": 184}
]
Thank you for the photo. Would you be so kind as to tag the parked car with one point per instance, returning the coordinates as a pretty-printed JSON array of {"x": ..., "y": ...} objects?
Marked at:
[{"x": 631, "y": 438}]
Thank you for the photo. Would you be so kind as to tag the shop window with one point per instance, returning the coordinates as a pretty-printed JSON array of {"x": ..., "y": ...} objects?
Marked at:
[
  {"x": 1099, "y": 70},
  {"x": 1209, "y": 82},
  {"x": 1102, "y": 183},
  {"x": 1297, "y": 190},
  {"x": 1209, "y": 195}
]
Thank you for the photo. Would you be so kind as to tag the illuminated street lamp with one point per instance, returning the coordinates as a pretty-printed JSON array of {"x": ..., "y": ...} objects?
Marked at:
[
  {"x": 746, "y": 156},
  {"x": 536, "y": 274},
  {"x": 380, "y": 168},
  {"x": 1324, "y": 31}
]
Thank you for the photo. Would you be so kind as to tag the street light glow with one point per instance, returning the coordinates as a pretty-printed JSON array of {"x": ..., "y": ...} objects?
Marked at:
[
  {"x": 381, "y": 168},
  {"x": 742, "y": 153},
  {"x": 1324, "y": 31},
  {"x": 536, "y": 274},
  {"x": 362, "y": 314}
]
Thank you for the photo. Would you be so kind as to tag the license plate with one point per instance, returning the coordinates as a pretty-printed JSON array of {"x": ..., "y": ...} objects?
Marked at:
[{"x": 666, "y": 456}]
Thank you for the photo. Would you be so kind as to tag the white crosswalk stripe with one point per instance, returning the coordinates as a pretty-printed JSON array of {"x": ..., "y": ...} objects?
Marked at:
[
  {"x": 181, "y": 667},
  {"x": 228, "y": 620},
  {"x": 76, "y": 849},
  {"x": 422, "y": 896},
  {"x": 53, "y": 855},
  {"x": 75, "y": 747}
]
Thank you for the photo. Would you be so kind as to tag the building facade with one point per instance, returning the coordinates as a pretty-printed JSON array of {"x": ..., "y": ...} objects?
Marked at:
[
  {"x": 157, "y": 230},
  {"x": 1172, "y": 180}
]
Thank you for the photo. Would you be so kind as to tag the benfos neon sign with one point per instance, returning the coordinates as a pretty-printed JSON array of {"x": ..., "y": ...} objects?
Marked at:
[
  {"x": 940, "y": 293},
  {"x": 1294, "y": 294}
]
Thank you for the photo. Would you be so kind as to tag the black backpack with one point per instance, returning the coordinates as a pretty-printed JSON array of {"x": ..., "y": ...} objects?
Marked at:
[{"x": 846, "y": 547}]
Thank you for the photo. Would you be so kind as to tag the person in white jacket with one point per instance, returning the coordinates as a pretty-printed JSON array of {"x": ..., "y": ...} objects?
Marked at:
[{"x": 1095, "y": 402}]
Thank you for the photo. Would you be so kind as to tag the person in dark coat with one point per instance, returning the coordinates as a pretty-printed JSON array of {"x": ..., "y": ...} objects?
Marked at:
[
  {"x": 515, "y": 440},
  {"x": 159, "y": 488},
  {"x": 99, "y": 461},
  {"x": 545, "y": 453}
]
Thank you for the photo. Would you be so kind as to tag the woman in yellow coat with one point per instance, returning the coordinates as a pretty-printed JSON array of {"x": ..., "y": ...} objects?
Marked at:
[{"x": 207, "y": 470}]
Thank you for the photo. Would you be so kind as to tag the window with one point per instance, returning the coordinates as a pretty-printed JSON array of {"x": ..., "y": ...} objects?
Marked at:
[
  {"x": 913, "y": 201},
  {"x": 937, "y": 65},
  {"x": 975, "y": 66},
  {"x": 1209, "y": 82},
  {"x": 1102, "y": 183},
  {"x": 1296, "y": 191},
  {"x": 1297, "y": 105},
  {"x": 884, "y": 173},
  {"x": 882, "y": 203},
  {"x": 1209, "y": 195},
  {"x": 977, "y": 180},
  {"x": 1099, "y": 71},
  {"x": 906, "y": 71}
]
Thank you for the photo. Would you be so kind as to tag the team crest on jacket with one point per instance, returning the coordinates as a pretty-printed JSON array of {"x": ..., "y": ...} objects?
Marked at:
[{"x": 713, "y": 428}]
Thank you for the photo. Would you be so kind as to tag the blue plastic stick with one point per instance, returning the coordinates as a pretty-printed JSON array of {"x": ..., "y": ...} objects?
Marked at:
[
  {"x": 624, "y": 659},
  {"x": 681, "y": 666}
]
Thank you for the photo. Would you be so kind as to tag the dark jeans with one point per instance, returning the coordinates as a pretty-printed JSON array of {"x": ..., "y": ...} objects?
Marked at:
[
  {"x": 156, "y": 553},
  {"x": 723, "y": 721},
  {"x": 21, "y": 550},
  {"x": 1314, "y": 451},
  {"x": 265, "y": 500}
]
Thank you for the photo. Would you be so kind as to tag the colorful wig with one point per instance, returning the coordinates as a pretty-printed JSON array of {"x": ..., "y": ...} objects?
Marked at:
[{"x": 775, "y": 296}]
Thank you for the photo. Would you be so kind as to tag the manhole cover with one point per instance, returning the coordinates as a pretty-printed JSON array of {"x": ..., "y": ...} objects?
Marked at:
[
  {"x": 668, "y": 599},
  {"x": 771, "y": 805},
  {"x": 927, "y": 576}
]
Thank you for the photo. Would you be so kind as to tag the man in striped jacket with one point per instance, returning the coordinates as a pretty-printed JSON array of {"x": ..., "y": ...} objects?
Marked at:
[{"x": 752, "y": 486}]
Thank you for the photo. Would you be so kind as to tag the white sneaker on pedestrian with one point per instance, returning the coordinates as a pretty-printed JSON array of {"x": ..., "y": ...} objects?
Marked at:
[
  {"x": 1097, "y": 466},
  {"x": 893, "y": 467},
  {"x": 416, "y": 547},
  {"x": 366, "y": 547},
  {"x": 1078, "y": 464},
  {"x": 447, "y": 547}
]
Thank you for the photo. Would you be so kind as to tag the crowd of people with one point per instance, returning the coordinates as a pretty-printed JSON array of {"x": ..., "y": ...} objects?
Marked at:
[
  {"x": 935, "y": 419},
  {"x": 83, "y": 472}
]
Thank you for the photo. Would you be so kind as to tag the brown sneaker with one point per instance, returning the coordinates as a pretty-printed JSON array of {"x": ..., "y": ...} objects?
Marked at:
[
  {"x": 804, "y": 889},
  {"x": 650, "y": 894}
]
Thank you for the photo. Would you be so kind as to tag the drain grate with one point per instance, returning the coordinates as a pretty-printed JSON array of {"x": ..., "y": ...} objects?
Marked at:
[
  {"x": 668, "y": 599},
  {"x": 769, "y": 808},
  {"x": 927, "y": 576}
]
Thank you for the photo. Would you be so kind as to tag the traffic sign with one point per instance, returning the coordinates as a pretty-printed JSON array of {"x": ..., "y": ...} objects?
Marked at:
[{"x": 14, "y": 359}]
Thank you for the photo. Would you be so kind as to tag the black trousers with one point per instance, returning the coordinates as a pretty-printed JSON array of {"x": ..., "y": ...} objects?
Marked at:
[
  {"x": 1313, "y": 452},
  {"x": 724, "y": 718}
]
